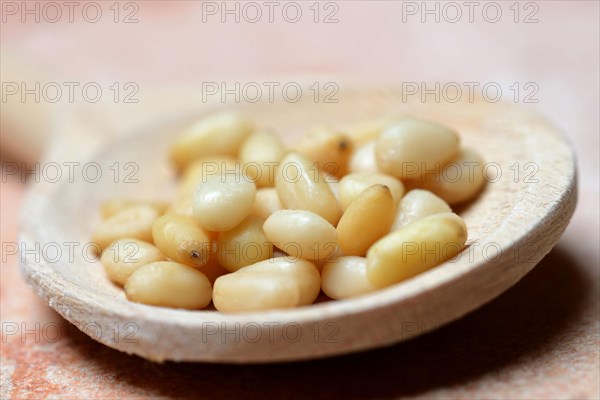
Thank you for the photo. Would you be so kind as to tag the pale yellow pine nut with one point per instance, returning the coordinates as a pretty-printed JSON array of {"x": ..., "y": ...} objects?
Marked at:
[
  {"x": 301, "y": 234},
  {"x": 198, "y": 171},
  {"x": 366, "y": 131},
  {"x": 460, "y": 180},
  {"x": 131, "y": 222},
  {"x": 329, "y": 149},
  {"x": 352, "y": 185},
  {"x": 124, "y": 256},
  {"x": 409, "y": 148},
  {"x": 243, "y": 245},
  {"x": 255, "y": 292},
  {"x": 334, "y": 185},
  {"x": 363, "y": 159},
  {"x": 266, "y": 203},
  {"x": 260, "y": 155},
  {"x": 180, "y": 238},
  {"x": 222, "y": 202},
  {"x": 169, "y": 284},
  {"x": 183, "y": 205},
  {"x": 216, "y": 135},
  {"x": 415, "y": 248},
  {"x": 418, "y": 204},
  {"x": 303, "y": 272},
  {"x": 368, "y": 218},
  {"x": 301, "y": 186},
  {"x": 346, "y": 277},
  {"x": 112, "y": 206}
]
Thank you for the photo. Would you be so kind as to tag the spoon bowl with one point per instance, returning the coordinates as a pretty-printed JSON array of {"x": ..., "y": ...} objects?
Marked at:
[{"x": 514, "y": 222}]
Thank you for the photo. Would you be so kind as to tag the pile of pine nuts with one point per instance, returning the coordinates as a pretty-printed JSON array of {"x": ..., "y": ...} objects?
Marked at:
[{"x": 258, "y": 226}]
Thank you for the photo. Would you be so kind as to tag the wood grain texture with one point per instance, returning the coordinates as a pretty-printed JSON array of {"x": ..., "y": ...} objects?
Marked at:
[{"x": 523, "y": 220}]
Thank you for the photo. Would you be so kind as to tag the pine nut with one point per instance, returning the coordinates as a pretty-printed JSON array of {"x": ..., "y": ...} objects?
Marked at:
[
  {"x": 126, "y": 255},
  {"x": 334, "y": 185},
  {"x": 415, "y": 248},
  {"x": 254, "y": 292},
  {"x": 222, "y": 202},
  {"x": 301, "y": 234},
  {"x": 301, "y": 186},
  {"x": 353, "y": 185},
  {"x": 363, "y": 159},
  {"x": 243, "y": 245},
  {"x": 181, "y": 239},
  {"x": 183, "y": 205},
  {"x": 460, "y": 180},
  {"x": 346, "y": 277},
  {"x": 260, "y": 155},
  {"x": 409, "y": 148},
  {"x": 366, "y": 131},
  {"x": 304, "y": 273},
  {"x": 198, "y": 172},
  {"x": 330, "y": 150},
  {"x": 131, "y": 222},
  {"x": 217, "y": 135},
  {"x": 418, "y": 204},
  {"x": 112, "y": 206},
  {"x": 169, "y": 284},
  {"x": 266, "y": 203},
  {"x": 367, "y": 219},
  {"x": 282, "y": 282}
]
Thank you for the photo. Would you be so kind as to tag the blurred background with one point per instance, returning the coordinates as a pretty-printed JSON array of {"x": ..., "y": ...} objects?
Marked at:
[{"x": 539, "y": 340}]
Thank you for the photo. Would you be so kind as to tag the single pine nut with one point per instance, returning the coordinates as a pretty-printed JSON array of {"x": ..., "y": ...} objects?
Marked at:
[
  {"x": 169, "y": 284},
  {"x": 217, "y": 135},
  {"x": 418, "y": 204},
  {"x": 183, "y": 205},
  {"x": 112, "y": 206},
  {"x": 131, "y": 222},
  {"x": 266, "y": 203},
  {"x": 367, "y": 131},
  {"x": 346, "y": 277},
  {"x": 243, "y": 245},
  {"x": 222, "y": 202},
  {"x": 460, "y": 180},
  {"x": 330, "y": 150},
  {"x": 282, "y": 282},
  {"x": 352, "y": 185},
  {"x": 304, "y": 273},
  {"x": 334, "y": 185},
  {"x": 415, "y": 248},
  {"x": 363, "y": 159},
  {"x": 198, "y": 172},
  {"x": 410, "y": 148},
  {"x": 301, "y": 186},
  {"x": 260, "y": 155},
  {"x": 181, "y": 239},
  {"x": 255, "y": 292},
  {"x": 124, "y": 256},
  {"x": 301, "y": 234},
  {"x": 368, "y": 219}
]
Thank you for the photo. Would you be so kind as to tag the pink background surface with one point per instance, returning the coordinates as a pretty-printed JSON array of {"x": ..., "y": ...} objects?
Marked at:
[{"x": 538, "y": 340}]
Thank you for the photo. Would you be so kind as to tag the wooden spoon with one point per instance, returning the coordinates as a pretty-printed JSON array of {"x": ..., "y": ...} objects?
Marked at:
[{"x": 513, "y": 223}]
